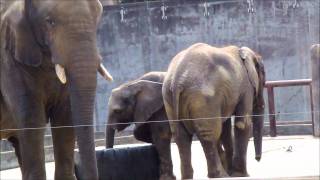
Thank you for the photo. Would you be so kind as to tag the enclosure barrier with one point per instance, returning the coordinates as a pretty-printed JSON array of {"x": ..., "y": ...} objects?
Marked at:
[
  {"x": 270, "y": 85},
  {"x": 140, "y": 162},
  {"x": 315, "y": 64}
]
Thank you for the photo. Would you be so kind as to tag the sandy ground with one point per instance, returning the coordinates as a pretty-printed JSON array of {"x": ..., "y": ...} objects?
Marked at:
[{"x": 283, "y": 156}]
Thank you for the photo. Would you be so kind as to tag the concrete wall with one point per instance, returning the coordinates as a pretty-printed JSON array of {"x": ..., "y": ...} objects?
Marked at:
[
  {"x": 315, "y": 58},
  {"x": 281, "y": 32}
]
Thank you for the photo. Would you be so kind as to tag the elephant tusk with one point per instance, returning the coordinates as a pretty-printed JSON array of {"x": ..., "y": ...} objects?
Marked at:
[
  {"x": 61, "y": 73},
  {"x": 104, "y": 73}
]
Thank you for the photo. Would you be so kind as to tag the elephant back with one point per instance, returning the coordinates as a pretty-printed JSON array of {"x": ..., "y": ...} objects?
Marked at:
[{"x": 155, "y": 76}]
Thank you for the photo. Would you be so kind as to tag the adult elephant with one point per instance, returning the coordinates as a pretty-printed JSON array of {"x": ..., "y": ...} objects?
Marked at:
[
  {"x": 209, "y": 84},
  {"x": 42, "y": 42},
  {"x": 140, "y": 101}
]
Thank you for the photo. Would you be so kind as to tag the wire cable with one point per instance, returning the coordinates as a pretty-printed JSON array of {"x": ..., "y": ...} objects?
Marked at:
[{"x": 160, "y": 121}]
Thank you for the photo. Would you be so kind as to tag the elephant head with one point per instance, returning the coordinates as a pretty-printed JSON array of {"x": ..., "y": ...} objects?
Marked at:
[
  {"x": 62, "y": 33},
  {"x": 256, "y": 72},
  {"x": 133, "y": 102}
]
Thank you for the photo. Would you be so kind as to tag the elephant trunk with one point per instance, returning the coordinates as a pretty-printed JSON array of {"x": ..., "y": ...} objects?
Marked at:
[
  {"x": 258, "y": 131},
  {"x": 82, "y": 77},
  {"x": 109, "y": 137}
]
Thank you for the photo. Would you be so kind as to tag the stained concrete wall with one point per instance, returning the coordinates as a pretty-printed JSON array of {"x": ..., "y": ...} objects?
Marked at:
[
  {"x": 280, "y": 31},
  {"x": 315, "y": 59}
]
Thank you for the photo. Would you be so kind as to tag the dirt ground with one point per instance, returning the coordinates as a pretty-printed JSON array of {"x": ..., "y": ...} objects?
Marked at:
[{"x": 289, "y": 157}]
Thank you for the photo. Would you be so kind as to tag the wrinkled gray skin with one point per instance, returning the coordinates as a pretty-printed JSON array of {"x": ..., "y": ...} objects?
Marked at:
[
  {"x": 141, "y": 101},
  {"x": 158, "y": 133},
  {"x": 207, "y": 82},
  {"x": 36, "y": 35}
]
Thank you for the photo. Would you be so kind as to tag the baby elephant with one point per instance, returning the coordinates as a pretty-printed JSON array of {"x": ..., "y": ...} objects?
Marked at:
[{"x": 140, "y": 101}]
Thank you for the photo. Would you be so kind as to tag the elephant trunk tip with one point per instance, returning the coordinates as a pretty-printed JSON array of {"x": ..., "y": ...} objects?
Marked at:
[{"x": 258, "y": 157}]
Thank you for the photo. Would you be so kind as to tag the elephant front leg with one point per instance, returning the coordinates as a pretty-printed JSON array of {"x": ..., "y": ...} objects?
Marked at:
[
  {"x": 183, "y": 140},
  {"x": 63, "y": 144},
  {"x": 15, "y": 143},
  {"x": 161, "y": 137},
  {"x": 222, "y": 155},
  {"x": 227, "y": 142},
  {"x": 241, "y": 134},
  {"x": 31, "y": 142}
]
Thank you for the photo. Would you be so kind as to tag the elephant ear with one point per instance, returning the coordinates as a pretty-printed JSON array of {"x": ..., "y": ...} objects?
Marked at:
[
  {"x": 251, "y": 63},
  {"x": 261, "y": 72},
  {"x": 149, "y": 100},
  {"x": 259, "y": 101},
  {"x": 20, "y": 40}
]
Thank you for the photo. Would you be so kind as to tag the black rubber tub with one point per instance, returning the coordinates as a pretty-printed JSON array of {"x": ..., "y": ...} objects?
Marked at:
[{"x": 130, "y": 163}]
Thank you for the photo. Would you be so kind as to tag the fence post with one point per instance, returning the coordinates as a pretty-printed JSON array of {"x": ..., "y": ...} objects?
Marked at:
[
  {"x": 272, "y": 116},
  {"x": 315, "y": 64}
]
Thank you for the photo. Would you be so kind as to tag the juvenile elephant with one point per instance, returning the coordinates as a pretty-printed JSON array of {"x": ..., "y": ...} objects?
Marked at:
[
  {"x": 209, "y": 84},
  {"x": 43, "y": 42},
  {"x": 140, "y": 101}
]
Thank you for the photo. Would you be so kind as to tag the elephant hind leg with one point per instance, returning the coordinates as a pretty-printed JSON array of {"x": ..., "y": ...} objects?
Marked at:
[
  {"x": 183, "y": 140},
  {"x": 210, "y": 146},
  {"x": 208, "y": 132}
]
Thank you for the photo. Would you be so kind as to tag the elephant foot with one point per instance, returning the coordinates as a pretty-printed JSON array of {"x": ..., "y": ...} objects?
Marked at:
[
  {"x": 167, "y": 177},
  {"x": 65, "y": 177},
  {"x": 229, "y": 171},
  {"x": 239, "y": 174},
  {"x": 188, "y": 176},
  {"x": 218, "y": 174},
  {"x": 239, "y": 168}
]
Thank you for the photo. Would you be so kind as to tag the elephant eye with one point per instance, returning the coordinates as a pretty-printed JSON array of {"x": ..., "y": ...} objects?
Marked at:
[
  {"x": 117, "y": 111},
  {"x": 50, "y": 21}
]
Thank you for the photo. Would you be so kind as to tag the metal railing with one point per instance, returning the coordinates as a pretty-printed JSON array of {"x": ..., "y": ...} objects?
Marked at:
[{"x": 270, "y": 85}]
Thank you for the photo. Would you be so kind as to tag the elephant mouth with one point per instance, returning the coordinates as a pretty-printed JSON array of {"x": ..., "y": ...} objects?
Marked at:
[
  {"x": 61, "y": 73},
  {"x": 121, "y": 127}
]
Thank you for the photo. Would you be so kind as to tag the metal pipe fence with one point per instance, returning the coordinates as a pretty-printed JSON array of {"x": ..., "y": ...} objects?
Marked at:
[{"x": 270, "y": 85}]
